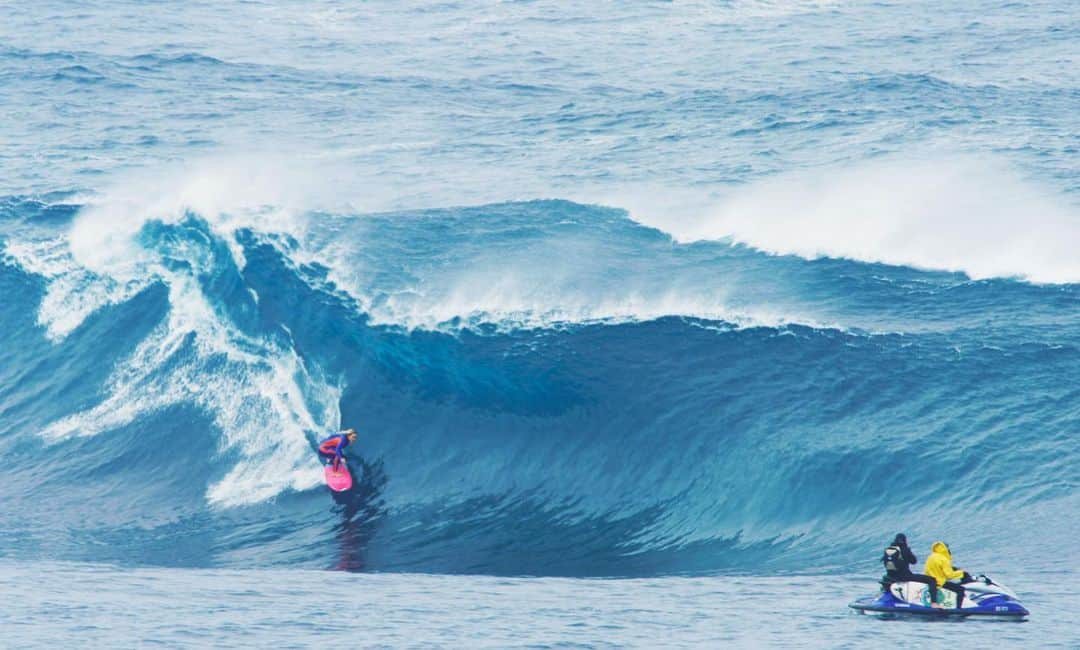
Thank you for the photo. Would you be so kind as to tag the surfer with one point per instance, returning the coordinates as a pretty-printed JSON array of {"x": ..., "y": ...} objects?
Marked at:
[{"x": 330, "y": 450}]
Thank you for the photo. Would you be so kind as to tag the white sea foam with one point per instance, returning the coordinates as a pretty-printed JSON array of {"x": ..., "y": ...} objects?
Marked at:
[
  {"x": 261, "y": 397},
  {"x": 964, "y": 214},
  {"x": 509, "y": 304},
  {"x": 73, "y": 291},
  {"x": 258, "y": 391},
  {"x": 526, "y": 288}
]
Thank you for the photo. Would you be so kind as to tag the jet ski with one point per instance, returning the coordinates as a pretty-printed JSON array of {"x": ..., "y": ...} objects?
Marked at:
[{"x": 983, "y": 598}]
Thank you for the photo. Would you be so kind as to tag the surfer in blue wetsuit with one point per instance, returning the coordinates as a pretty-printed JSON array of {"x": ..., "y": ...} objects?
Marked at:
[{"x": 330, "y": 450}]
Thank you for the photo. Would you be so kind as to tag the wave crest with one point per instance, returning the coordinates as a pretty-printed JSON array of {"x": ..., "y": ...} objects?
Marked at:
[{"x": 964, "y": 214}]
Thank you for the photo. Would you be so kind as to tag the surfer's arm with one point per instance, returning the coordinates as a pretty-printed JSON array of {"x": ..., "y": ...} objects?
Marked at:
[
  {"x": 909, "y": 556},
  {"x": 339, "y": 450}
]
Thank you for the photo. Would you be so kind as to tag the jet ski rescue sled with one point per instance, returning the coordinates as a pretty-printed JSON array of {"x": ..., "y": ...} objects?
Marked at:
[{"x": 983, "y": 598}]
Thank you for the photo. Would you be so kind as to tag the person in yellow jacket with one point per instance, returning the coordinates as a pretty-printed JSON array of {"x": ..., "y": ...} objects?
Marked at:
[{"x": 939, "y": 567}]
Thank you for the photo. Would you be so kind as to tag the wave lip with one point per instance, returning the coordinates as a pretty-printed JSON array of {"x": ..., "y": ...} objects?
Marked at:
[{"x": 956, "y": 214}]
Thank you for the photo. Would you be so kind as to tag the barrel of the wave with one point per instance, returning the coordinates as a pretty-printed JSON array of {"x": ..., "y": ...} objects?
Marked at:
[{"x": 336, "y": 469}]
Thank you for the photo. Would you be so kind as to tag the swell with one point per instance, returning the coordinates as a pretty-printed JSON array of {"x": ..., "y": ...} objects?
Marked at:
[{"x": 176, "y": 425}]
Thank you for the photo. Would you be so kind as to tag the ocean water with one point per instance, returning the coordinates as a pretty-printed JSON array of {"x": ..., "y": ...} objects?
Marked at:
[
  {"x": 657, "y": 319},
  {"x": 220, "y": 608}
]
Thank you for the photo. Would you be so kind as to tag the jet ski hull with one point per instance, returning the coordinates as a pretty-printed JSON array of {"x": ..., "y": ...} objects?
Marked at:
[{"x": 982, "y": 600}]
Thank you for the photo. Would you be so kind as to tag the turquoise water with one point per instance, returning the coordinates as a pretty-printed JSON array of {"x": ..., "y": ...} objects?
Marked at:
[{"x": 660, "y": 302}]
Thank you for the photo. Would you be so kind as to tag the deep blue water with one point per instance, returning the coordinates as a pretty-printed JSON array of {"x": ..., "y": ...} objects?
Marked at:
[{"x": 638, "y": 290}]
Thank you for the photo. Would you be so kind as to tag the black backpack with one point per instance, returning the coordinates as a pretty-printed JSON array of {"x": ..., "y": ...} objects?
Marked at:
[{"x": 894, "y": 561}]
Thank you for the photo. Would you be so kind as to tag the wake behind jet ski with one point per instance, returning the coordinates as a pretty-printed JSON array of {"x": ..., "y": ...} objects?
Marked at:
[{"x": 983, "y": 598}]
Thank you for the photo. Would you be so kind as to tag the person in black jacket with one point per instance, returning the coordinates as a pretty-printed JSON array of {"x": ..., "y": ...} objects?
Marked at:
[{"x": 898, "y": 558}]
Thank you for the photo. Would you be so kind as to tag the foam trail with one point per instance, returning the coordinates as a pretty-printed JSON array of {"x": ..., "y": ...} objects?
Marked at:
[
  {"x": 957, "y": 214},
  {"x": 259, "y": 392},
  {"x": 264, "y": 402}
]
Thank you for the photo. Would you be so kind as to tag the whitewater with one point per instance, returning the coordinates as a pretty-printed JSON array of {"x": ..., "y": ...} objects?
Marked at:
[{"x": 657, "y": 320}]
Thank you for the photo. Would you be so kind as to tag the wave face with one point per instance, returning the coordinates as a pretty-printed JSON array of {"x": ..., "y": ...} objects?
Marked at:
[{"x": 542, "y": 388}]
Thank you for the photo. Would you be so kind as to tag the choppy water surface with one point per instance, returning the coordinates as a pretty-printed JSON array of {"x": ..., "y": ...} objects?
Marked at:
[
  {"x": 97, "y": 605},
  {"x": 715, "y": 290}
]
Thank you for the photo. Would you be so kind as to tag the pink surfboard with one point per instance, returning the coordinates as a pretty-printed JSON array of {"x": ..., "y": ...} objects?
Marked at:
[{"x": 340, "y": 480}]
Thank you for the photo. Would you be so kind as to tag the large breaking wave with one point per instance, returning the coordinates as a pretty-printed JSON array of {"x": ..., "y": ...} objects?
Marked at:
[{"x": 542, "y": 387}]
